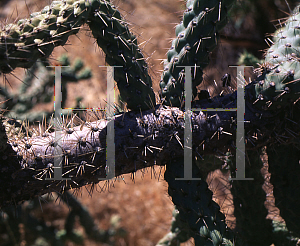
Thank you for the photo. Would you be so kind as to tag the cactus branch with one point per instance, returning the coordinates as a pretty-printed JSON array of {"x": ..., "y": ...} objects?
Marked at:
[{"x": 26, "y": 162}]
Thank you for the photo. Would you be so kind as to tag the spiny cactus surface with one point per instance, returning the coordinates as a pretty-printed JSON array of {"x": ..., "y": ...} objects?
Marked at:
[
  {"x": 197, "y": 35},
  {"x": 21, "y": 44},
  {"x": 278, "y": 84}
]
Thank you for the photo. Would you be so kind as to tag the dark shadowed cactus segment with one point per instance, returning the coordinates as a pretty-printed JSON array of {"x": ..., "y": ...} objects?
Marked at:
[
  {"x": 198, "y": 211},
  {"x": 197, "y": 35},
  {"x": 249, "y": 209},
  {"x": 284, "y": 167},
  {"x": 121, "y": 49}
]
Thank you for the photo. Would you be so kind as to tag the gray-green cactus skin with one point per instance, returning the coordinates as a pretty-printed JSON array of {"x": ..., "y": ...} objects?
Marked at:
[
  {"x": 197, "y": 35},
  {"x": 278, "y": 84}
]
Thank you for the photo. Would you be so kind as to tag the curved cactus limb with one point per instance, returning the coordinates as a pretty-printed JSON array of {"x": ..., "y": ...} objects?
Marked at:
[
  {"x": 162, "y": 129},
  {"x": 121, "y": 49},
  {"x": 23, "y": 43}
]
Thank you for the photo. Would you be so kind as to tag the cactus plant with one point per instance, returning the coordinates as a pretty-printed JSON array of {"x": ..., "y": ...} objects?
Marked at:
[
  {"x": 277, "y": 86},
  {"x": 271, "y": 109}
]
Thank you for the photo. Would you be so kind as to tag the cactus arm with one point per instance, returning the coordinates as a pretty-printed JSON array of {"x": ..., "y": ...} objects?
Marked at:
[
  {"x": 199, "y": 214},
  {"x": 23, "y": 43},
  {"x": 197, "y": 35},
  {"x": 132, "y": 133},
  {"x": 121, "y": 49}
]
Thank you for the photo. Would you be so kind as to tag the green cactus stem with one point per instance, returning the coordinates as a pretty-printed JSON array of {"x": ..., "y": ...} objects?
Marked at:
[
  {"x": 278, "y": 84},
  {"x": 197, "y": 35},
  {"x": 200, "y": 214},
  {"x": 121, "y": 49},
  {"x": 23, "y": 43}
]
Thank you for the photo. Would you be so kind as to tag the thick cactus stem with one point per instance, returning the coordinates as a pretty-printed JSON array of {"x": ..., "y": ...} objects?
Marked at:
[
  {"x": 197, "y": 35},
  {"x": 249, "y": 209},
  {"x": 121, "y": 49},
  {"x": 161, "y": 130},
  {"x": 278, "y": 84},
  {"x": 197, "y": 210}
]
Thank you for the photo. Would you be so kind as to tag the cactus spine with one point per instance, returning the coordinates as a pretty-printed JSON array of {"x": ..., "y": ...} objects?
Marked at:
[{"x": 197, "y": 35}]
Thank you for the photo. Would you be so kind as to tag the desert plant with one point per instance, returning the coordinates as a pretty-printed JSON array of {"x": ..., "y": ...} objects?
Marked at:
[{"x": 271, "y": 112}]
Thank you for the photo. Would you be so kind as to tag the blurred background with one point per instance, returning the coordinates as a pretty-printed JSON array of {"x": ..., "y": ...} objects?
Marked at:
[{"x": 140, "y": 204}]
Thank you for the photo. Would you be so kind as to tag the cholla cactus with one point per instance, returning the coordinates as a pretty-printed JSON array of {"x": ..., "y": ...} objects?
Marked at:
[{"x": 270, "y": 101}]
